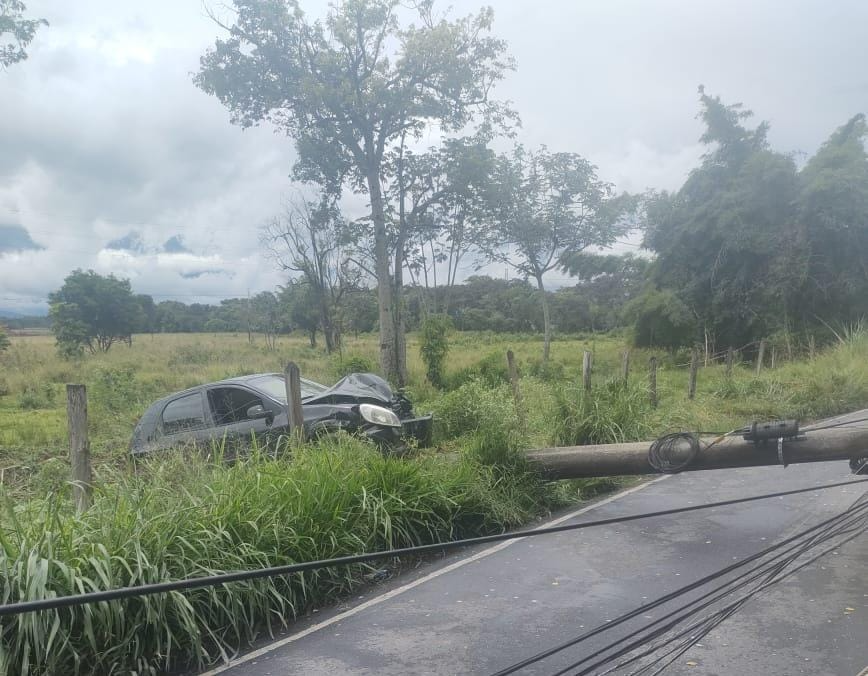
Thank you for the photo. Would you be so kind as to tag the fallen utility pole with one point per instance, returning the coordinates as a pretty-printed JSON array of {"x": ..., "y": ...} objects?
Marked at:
[{"x": 837, "y": 443}]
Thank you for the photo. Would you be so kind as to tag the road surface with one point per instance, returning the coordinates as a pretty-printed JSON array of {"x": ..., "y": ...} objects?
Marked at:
[{"x": 479, "y": 611}]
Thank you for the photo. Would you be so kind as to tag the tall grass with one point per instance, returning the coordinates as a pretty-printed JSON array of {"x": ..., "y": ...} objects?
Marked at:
[
  {"x": 183, "y": 517},
  {"x": 186, "y": 518}
]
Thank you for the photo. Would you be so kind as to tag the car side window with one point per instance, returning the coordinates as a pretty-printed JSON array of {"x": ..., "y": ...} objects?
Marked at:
[
  {"x": 183, "y": 414},
  {"x": 230, "y": 404}
]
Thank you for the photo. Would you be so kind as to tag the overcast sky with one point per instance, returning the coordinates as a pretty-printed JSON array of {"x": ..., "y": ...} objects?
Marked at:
[{"x": 111, "y": 159}]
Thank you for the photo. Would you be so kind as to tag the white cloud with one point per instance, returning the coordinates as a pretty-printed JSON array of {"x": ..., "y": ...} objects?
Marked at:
[{"x": 103, "y": 133}]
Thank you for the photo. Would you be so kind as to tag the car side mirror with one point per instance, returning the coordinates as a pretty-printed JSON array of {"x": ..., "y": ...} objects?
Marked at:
[{"x": 259, "y": 412}]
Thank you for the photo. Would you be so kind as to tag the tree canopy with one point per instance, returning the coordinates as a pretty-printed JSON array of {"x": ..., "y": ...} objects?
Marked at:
[
  {"x": 16, "y": 32},
  {"x": 92, "y": 311},
  {"x": 546, "y": 207},
  {"x": 349, "y": 90},
  {"x": 751, "y": 245}
]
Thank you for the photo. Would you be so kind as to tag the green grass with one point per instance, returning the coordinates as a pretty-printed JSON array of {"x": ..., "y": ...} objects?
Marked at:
[
  {"x": 181, "y": 516},
  {"x": 184, "y": 518}
]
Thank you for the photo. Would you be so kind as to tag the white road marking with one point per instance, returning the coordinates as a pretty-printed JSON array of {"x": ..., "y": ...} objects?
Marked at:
[{"x": 256, "y": 654}]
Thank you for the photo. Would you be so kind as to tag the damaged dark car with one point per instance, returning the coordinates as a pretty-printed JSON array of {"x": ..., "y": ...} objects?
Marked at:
[{"x": 238, "y": 409}]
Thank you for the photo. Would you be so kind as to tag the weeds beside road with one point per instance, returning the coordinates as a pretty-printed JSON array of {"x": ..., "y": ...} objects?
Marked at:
[{"x": 183, "y": 516}]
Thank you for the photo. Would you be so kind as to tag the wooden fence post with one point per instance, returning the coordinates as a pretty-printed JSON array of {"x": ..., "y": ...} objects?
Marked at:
[
  {"x": 694, "y": 367},
  {"x": 812, "y": 346},
  {"x": 625, "y": 367},
  {"x": 729, "y": 359},
  {"x": 516, "y": 388},
  {"x": 295, "y": 415},
  {"x": 79, "y": 446},
  {"x": 586, "y": 371},
  {"x": 652, "y": 381},
  {"x": 774, "y": 357},
  {"x": 760, "y": 356}
]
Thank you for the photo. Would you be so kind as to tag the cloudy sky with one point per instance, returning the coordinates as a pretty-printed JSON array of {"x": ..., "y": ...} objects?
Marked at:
[{"x": 111, "y": 159}]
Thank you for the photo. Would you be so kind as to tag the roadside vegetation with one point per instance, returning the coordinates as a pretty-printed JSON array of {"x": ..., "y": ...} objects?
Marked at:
[{"x": 337, "y": 497}]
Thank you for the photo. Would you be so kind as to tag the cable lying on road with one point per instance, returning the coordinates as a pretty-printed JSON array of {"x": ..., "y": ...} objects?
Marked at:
[
  {"x": 20, "y": 607},
  {"x": 853, "y": 520}
]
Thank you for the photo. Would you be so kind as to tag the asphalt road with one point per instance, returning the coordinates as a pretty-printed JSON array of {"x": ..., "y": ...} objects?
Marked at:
[{"x": 479, "y": 611}]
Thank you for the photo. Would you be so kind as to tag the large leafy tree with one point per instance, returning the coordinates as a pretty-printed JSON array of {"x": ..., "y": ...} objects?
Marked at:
[
  {"x": 16, "y": 32},
  {"x": 350, "y": 89},
  {"x": 549, "y": 206},
  {"x": 93, "y": 311},
  {"x": 727, "y": 242},
  {"x": 833, "y": 209}
]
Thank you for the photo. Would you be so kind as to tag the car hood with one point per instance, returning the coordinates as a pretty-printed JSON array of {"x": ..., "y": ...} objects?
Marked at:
[{"x": 356, "y": 388}]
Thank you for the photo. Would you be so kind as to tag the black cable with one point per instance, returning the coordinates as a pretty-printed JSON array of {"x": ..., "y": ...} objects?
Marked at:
[
  {"x": 707, "y": 599},
  {"x": 288, "y": 569},
  {"x": 674, "y": 452},
  {"x": 846, "y": 520},
  {"x": 658, "y": 602},
  {"x": 729, "y": 610}
]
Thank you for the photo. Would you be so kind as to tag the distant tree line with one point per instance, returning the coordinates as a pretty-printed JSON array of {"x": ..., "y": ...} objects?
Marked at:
[{"x": 92, "y": 312}]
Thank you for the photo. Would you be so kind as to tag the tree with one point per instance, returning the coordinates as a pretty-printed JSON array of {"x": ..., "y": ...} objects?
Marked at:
[
  {"x": 91, "y": 311},
  {"x": 300, "y": 304},
  {"x": 605, "y": 284},
  {"x": 727, "y": 242},
  {"x": 435, "y": 346},
  {"x": 548, "y": 206},
  {"x": 348, "y": 90},
  {"x": 266, "y": 312},
  {"x": 833, "y": 209},
  {"x": 443, "y": 198},
  {"x": 661, "y": 319},
  {"x": 359, "y": 311},
  {"x": 308, "y": 239},
  {"x": 4, "y": 339},
  {"x": 16, "y": 32}
]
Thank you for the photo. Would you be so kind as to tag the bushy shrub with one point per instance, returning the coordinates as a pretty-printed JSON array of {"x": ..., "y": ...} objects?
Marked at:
[
  {"x": 608, "y": 414},
  {"x": 470, "y": 407},
  {"x": 435, "y": 346},
  {"x": 353, "y": 363},
  {"x": 115, "y": 388},
  {"x": 198, "y": 355},
  {"x": 37, "y": 396},
  {"x": 548, "y": 371},
  {"x": 490, "y": 370},
  {"x": 4, "y": 339}
]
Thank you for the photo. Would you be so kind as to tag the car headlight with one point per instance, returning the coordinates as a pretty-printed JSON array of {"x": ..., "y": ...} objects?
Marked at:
[{"x": 377, "y": 415}]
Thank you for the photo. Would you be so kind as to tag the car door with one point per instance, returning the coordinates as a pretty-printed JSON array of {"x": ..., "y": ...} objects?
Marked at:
[
  {"x": 229, "y": 407},
  {"x": 183, "y": 420}
]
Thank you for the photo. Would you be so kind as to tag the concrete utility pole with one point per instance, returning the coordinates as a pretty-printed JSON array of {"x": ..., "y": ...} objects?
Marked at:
[{"x": 838, "y": 443}]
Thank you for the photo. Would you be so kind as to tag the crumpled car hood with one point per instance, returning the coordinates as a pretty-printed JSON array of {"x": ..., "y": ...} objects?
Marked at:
[{"x": 356, "y": 388}]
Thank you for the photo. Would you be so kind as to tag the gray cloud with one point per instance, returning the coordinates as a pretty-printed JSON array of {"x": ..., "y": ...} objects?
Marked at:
[
  {"x": 103, "y": 133},
  {"x": 14, "y": 238}
]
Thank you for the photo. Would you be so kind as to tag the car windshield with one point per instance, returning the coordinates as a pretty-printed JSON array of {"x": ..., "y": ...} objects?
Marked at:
[{"x": 274, "y": 386}]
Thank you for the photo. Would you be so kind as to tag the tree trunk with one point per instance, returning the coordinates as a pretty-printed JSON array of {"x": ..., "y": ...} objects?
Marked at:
[
  {"x": 388, "y": 352},
  {"x": 547, "y": 323},
  {"x": 325, "y": 320}
]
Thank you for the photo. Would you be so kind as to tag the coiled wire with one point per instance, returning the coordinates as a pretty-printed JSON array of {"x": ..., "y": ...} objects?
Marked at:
[{"x": 674, "y": 452}]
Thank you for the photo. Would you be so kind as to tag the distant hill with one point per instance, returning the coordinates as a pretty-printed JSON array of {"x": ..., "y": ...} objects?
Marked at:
[{"x": 35, "y": 312}]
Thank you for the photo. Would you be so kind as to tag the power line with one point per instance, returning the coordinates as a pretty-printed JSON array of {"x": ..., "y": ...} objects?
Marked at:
[
  {"x": 644, "y": 609},
  {"x": 289, "y": 569}
]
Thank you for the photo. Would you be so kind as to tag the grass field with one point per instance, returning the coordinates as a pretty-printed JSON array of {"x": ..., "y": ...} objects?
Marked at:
[
  {"x": 338, "y": 497},
  {"x": 123, "y": 382}
]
